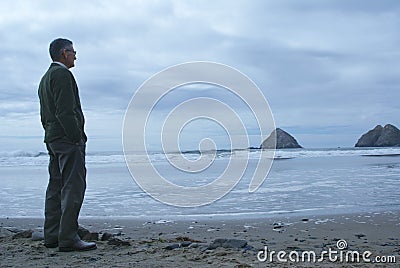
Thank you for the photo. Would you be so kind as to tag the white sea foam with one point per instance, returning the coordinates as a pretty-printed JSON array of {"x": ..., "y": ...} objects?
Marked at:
[{"x": 38, "y": 158}]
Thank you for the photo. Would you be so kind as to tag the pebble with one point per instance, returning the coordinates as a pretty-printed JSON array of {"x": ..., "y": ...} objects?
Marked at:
[
  {"x": 359, "y": 235},
  {"x": 23, "y": 234},
  {"x": 278, "y": 225},
  {"x": 118, "y": 242},
  {"x": 106, "y": 236},
  {"x": 227, "y": 243},
  {"x": 194, "y": 245},
  {"x": 91, "y": 237},
  {"x": 82, "y": 232},
  {"x": 37, "y": 236},
  {"x": 85, "y": 234},
  {"x": 172, "y": 246},
  {"x": 186, "y": 244}
]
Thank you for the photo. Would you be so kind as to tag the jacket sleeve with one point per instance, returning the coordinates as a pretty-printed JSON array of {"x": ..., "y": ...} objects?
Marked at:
[{"x": 65, "y": 104}]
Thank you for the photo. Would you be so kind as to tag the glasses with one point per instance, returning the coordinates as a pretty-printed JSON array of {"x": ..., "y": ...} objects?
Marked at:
[{"x": 69, "y": 50}]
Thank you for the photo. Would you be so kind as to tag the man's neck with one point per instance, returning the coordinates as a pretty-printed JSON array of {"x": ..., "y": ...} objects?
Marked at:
[{"x": 60, "y": 63}]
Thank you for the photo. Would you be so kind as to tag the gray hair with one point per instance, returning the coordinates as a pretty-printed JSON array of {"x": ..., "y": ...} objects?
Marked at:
[{"x": 57, "y": 46}]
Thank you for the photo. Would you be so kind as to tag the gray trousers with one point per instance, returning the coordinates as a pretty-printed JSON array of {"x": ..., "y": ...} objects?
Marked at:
[{"x": 65, "y": 192}]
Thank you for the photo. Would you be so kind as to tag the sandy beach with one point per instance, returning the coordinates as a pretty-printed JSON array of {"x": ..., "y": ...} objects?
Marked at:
[{"x": 371, "y": 237}]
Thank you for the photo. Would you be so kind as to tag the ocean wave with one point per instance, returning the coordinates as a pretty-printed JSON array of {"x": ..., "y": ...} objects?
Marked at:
[
  {"x": 21, "y": 153},
  {"x": 21, "y": 157},
  {"x": 305, "y": 153},
  {"x": 282, "y": 154}
]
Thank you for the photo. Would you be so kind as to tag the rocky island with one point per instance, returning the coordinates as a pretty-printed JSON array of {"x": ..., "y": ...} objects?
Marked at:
[
  {"x": 387, "y": 136},
  {"x": 281, "y": 139}
]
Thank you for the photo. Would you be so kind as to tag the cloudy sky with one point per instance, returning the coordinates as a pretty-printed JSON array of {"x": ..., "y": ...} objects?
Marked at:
[{"x": 330, "y": 70}]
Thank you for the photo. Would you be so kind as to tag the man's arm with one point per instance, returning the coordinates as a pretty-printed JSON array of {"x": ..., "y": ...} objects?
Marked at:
[{"x": 64, "y": 100}]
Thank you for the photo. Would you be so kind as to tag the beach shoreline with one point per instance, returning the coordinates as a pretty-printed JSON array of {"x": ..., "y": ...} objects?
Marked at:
[{"x": 157, "y": 243}]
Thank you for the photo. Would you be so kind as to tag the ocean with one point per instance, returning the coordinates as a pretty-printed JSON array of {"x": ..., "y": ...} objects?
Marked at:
[{"x": 301, "y": 182}]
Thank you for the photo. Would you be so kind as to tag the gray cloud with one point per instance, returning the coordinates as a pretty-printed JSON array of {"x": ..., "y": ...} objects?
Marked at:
[{"x": 328, "y": 68}]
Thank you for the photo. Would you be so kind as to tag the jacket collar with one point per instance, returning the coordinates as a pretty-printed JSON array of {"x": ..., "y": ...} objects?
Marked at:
[{"x": 57, "y": 63}]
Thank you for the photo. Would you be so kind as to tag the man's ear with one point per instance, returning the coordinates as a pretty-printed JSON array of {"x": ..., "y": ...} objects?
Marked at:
[{"x": 64, "y": 54}]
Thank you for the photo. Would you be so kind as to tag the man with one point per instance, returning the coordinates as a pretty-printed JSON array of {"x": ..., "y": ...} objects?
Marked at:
[{"x": 63, "y": 122}]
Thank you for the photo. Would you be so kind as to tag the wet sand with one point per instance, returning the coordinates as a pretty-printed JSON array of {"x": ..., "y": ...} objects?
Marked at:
[{"x": 245, "y": 243}]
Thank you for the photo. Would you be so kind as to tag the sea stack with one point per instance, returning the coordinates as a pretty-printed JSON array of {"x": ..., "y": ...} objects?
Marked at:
[
  {"x": 388, "y": 136},
  {"x": 281, "y": 139}
]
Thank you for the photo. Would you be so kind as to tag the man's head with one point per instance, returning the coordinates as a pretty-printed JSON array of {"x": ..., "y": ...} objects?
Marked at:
[{"x": 62, "y": 50}]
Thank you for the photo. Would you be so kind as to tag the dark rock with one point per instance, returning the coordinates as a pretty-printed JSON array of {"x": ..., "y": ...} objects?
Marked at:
[
  {"x": 118, "y": 242},
  {"x": 106, "y": 236},
  {"x": 119, "y": 234},
  {"x": 23, "y": 234},
  {"x": 280, "y": 139},
  {"x": 227, "y": 243},
  {"x": 186, "y": 244},
  {"x": 360, "y": 235},
  {"x": 203, "y": 248},
  {"x": 173, "y": 246},
  {"x": 82, "y": 232},
  {"x": 185, "y": 239},
  {"x": 369, "y": 139},
  {"x": 85, "y": 234},
  {"x": 388, "y": 136},
  {"x": 278, "y": 225},
  {"x": 91, "y": 237}
]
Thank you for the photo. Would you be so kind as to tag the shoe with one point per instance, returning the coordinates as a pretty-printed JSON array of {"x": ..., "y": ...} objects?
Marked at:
[
  {"x": 79, "y": 246},
  {"x": 51, "y": 245}
]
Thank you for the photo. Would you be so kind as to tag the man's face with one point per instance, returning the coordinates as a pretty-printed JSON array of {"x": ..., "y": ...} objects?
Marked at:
[{"x": 70, "y": 56}]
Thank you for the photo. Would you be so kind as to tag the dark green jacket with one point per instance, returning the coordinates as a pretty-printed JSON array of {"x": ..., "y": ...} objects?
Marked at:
[{"x": 60, "y": 107}]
